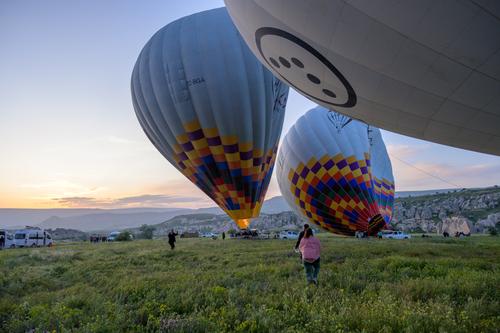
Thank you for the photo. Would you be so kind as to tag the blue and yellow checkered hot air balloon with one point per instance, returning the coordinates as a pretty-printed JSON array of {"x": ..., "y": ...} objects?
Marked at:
[
  {"x": 211, "y": 109},
  {"x": 335, "y": 172}
]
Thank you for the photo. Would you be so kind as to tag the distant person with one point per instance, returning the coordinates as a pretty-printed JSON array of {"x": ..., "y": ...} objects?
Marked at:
[
  {"x": 2, "y": 241},
  {"x": 301, "y": 235},
  {"x": 310, "y": 247},
  {"x": 171, "y": 239},
  {"x": 223, "y": 235},
  {"x": 379, "y": 234}
]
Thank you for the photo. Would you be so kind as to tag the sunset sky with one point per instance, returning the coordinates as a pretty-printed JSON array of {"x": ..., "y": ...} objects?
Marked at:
[{"x": 68, "y": 133}]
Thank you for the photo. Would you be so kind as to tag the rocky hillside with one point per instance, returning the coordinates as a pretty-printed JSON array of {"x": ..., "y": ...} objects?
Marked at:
[
  {"x": 479, "y": 208},
  {"x": 219, "y": 223},
  {"x": 59, "y": 234},
  {"x": 471, "y": 210}
]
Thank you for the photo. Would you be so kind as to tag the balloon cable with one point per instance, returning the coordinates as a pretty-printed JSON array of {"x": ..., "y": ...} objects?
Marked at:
[{"x": 426, "y": 172}]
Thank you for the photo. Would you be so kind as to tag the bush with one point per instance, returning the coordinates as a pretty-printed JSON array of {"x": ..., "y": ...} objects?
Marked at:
[
  {"x": 493, "y": 231},
  {"x": 124, "y": 236}
]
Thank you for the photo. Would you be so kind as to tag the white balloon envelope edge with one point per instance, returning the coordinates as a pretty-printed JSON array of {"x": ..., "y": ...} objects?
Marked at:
[{"x": 426, "y": 69}]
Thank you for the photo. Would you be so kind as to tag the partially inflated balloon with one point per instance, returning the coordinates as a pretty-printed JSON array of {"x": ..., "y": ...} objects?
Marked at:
[
  {"x": 211, "y": 109},
  {"x": 423, "y": 68},
  {"x": 335, "y": 171}
]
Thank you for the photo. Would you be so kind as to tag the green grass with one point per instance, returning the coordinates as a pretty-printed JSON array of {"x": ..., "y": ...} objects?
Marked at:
[{"x": 421, "y": 285}]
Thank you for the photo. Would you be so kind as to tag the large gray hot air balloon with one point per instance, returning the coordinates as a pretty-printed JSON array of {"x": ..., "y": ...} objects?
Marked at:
[
  {"x": 211, "y": 109},
  {"x": 428, "y": 69},
  {"x": 335, "y": 172}
]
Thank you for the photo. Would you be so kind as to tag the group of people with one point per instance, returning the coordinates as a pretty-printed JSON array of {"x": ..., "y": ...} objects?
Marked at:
[
  {"x": 172, "y": 239},
  {"x": 98, "y": 238}
]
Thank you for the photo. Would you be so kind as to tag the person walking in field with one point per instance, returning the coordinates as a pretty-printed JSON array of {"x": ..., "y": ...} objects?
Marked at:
[
  {"x": 223, "y": 235},
  {"x": 171, "y": 239},
  {"x": 310, "y": 247}
]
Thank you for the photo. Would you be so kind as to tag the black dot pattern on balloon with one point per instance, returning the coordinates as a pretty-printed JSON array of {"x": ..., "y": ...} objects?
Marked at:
[
  {"x": 297, "y": 62},
  {"x": 329, "y": 93},
  {"x": 313, "y": 79},
  {"x": 274, "y": 62},
  {"x": 284, "y": 62}
]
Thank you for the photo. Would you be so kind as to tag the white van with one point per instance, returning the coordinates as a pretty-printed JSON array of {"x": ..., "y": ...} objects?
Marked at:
[
  {"x": 32, "y": 237},
  {"x": 6, "y": 240}
]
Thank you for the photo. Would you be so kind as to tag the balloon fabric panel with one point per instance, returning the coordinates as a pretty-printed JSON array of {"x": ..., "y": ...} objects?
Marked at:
[
  {"x": 234, "y": 175},
  {"x": 328, "y": 193},
  {"x": 425, "y": 69}
]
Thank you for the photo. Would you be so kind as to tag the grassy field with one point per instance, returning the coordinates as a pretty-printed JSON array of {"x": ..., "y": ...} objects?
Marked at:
[{"x": 421, "y": 285}]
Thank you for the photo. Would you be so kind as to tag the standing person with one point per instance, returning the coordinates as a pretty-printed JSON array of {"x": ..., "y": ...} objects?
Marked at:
[
  {"x": 310, "y": 247},
  {"x": 223, "y": 235},
  {"x": 171, "y": 238},
  {"x": 301, "y": 235},
  {"x": 2, "y": 241}
]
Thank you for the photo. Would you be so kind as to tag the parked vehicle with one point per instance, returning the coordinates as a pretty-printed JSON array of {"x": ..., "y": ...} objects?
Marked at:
[
  {"x": 208, "y": 235},
  {"x": 112, "y": 236},
  {"x": 289, "y": 234},
  {"x": 32, "y": 237},
  {"x": 390, "y": 234},
  {"x": 6, "y": 240},
  {"x": 190, "y": 234}
]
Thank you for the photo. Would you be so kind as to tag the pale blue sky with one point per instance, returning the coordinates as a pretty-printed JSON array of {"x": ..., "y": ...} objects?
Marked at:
[{"x": 67, "y": 126}]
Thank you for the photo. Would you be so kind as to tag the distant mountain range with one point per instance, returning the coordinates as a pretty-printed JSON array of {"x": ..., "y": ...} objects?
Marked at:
[
  {"x": 118, "y": 219},
  {"x": 110, "y": 219}
]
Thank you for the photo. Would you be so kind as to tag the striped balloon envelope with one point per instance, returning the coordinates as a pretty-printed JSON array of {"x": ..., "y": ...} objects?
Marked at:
[
  {"x": 335, "y": 172},
  {"x": 211, "y": 109}
]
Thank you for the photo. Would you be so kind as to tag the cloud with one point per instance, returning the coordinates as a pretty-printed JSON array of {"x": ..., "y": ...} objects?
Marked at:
[
  {"x": 403, "y": 151},
  {"x": 155, "y": 199},
  {"x": 145, "y": 200},
  {"x": 75, "y": 202}
]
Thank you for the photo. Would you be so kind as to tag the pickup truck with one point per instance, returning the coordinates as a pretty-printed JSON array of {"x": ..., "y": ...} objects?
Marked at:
[{"x": 389, "y": 234}]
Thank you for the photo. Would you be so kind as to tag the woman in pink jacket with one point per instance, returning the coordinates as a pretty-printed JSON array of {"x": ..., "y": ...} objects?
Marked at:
[{"x": 310, "y": 247}]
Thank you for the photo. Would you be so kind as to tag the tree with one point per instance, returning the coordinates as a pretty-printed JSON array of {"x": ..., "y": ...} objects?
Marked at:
[
  {"x": 124, "y": 236},
  {"x": 146, "y": 231}
]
